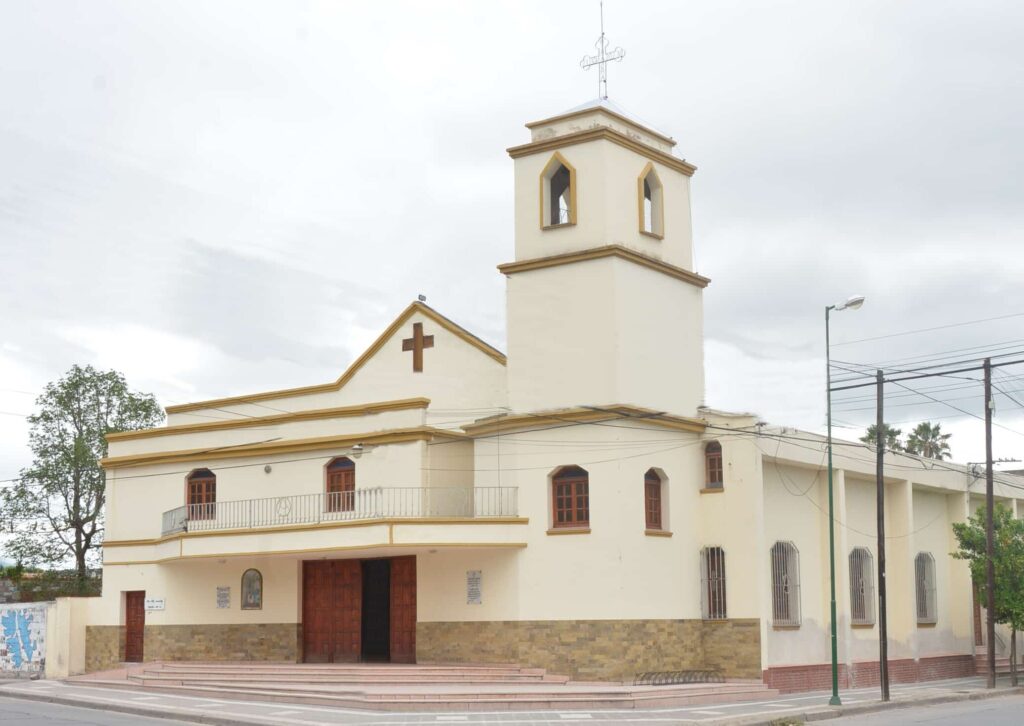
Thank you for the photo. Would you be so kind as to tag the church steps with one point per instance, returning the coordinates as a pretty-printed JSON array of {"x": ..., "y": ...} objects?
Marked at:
[{"x": 452, "y": 694}]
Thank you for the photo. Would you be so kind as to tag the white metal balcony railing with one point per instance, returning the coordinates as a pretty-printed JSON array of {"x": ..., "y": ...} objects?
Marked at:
[{"x": 361, "y": 504}]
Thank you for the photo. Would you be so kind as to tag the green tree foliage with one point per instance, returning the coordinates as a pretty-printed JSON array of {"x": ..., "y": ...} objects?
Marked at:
[
  {"x": 892, "y": 437},
  {"x": 927, "y": 440},
  {"x": 1008, "y": 559},
  {"x": 54, "y": 512}
]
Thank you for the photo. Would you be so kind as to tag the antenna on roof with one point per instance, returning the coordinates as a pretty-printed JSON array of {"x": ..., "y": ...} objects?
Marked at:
[{"x": 601, "y": 59}]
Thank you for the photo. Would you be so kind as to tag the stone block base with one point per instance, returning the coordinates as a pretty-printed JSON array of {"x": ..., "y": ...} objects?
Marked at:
[
  {"x": 104, "y": 645},
  {"x": 616, "y": 650},
  {"x": 865, "y": 674}
]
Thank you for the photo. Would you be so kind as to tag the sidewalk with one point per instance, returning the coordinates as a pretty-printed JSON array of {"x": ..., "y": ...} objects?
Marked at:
[{"x": 798, "y": 707}]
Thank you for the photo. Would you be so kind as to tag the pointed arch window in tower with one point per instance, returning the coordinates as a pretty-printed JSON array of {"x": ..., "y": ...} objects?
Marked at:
[
  {"x": 557, "y": 193},
  {"x": 650, "y": 198}
]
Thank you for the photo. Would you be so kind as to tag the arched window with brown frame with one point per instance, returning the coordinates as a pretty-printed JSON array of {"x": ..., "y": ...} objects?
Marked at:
[
  {"x": 652, "y": 499},
  {"x": 201, "y": 494},
  {"x": 341, "y": 485},
  {"x": 713, "y": 469},
  {"x": 570, "y": 492}
]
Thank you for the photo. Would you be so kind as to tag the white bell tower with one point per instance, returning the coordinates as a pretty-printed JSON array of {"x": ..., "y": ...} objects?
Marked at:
[{"x": 603, "y": 304}]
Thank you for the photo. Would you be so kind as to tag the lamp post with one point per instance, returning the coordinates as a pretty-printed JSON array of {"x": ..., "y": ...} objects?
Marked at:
[{"x": 853, "y": 303}]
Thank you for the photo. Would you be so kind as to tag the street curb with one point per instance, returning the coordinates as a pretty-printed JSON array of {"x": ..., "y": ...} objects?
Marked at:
[
  {"x": 828, "y": 713},
  {"x": 821, "y": 714}
]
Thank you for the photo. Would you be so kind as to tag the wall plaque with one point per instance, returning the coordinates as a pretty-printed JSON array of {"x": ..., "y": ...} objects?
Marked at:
[
  {"x": 223, "y": 597},
  {"x": 154, "y": 603},
  {"x": 474, "y": 587}
]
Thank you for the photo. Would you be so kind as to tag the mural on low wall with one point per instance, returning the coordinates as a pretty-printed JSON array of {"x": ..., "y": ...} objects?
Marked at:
[{"x": 22, "y": 638}]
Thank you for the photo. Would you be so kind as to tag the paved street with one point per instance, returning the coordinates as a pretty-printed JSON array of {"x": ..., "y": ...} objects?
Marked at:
[
  {"x": 1007, "y": 711},
  {"x": 17, "y": 712},
  {"x": 14, "y": 711}
]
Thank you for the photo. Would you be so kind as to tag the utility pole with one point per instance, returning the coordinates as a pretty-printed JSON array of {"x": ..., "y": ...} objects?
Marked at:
[
  {"x": 883, "y": 630},
  {"x": 990, "y": 567}
]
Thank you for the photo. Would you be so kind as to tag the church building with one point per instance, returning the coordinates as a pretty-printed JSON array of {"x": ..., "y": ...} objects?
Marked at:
[{"x": 570, "y": 503}]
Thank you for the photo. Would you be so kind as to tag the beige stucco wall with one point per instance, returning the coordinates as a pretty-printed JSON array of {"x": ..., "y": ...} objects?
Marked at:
[{"x": 388, "y": 376}]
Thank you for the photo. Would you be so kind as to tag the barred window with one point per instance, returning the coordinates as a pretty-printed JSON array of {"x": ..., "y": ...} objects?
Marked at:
[
  {"x": 570, "y": 491},
  {"x": 924, "y": 570},
  {"x": 713, "y": 469},
  {"x": 862, "y": 587},
  {"x": 785, "y": 584},
  {"x": 652, "y": 499},
  {"x": 712, "y": 586}
]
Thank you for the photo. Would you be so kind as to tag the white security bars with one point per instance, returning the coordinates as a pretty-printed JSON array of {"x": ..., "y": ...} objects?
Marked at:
[
  {"x": 785, "y": 584},
  {"x": 862, "y": 588},
  {"x": 924, "y": 570},
  {"x": 712, "y": 583}
]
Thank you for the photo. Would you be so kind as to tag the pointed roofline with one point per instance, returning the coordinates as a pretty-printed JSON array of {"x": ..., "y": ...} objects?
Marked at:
[{"x": 415, "y": 307}]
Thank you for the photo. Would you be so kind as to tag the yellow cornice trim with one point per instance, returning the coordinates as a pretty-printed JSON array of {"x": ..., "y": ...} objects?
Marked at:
[
  {"x": 583, "y": 112},
  {"x": 567, "y": 258},
  {"x": 317, "y": 413},
  {"x": 390, "y": 436},
  {"x": 391, "y": 522},
  {"x": 311, "y": 550},
  {"x": 616, "y": 137},
  {"x": 657, "y": 533},
  {"x": 415, "y": 307},
  {"x": 525, "y": 421},
  {"x": 568, "y": 530}
]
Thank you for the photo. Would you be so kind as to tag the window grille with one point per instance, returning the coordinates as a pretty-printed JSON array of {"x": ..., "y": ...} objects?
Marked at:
[
  {"x": 862, "y": 588},
  {"x": 713, "y": 469},
  {"x": 712, "y": 589},
  {"x": 785, "y": 584},
  {"x": 570, "y": 489},
  {"x": 652, "y": 499},
  {"x": 924, "y": 570}
]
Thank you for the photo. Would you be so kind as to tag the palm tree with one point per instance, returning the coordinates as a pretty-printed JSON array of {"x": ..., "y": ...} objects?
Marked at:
[
  {"x": 892, "y": 437},
  {"x": 927, "y": 440}
]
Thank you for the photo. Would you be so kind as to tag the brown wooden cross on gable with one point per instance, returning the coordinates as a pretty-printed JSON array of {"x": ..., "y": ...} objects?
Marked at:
[{"x": 416, "y": 344}]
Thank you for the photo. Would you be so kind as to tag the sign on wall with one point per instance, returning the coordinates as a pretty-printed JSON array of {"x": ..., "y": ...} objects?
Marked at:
[
  {"x": 474, "y": 587},
  {"x": 223, "y": 597},
  {"x": 154, "y": 603}
]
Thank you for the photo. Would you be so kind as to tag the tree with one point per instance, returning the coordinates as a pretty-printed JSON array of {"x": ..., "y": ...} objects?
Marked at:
[
  {"x": 1008, "y": 560},
  {"x": 927, "y": 440},
  {"x": 55, "y": 508},
  {"x": 892, "y": 437}
]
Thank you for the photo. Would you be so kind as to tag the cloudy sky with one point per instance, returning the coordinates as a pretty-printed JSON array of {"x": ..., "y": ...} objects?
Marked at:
[{"x": 220, "y": 198}]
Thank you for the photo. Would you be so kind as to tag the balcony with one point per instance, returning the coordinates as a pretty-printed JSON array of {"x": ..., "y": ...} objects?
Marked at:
[{"x": 362, "y": 504}]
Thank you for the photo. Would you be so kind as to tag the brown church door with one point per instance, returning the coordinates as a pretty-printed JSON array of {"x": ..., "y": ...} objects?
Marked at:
[
  {"x": 331, "y": 610},
  {"x": 134, "y": 625},
  {"x": 403, "y": 610}
]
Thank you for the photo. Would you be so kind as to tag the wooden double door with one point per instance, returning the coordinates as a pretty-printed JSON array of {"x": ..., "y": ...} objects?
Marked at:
[{"x": 359, "y": 610}]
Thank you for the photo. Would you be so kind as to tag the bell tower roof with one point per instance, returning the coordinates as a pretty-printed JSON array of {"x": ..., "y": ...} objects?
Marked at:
[{"x": 600, "y": 113}]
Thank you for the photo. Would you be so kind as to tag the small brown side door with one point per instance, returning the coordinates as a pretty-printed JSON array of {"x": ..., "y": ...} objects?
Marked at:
[
  {"x": 134, "y": 625},
  {"x": 403, "y": 609}
]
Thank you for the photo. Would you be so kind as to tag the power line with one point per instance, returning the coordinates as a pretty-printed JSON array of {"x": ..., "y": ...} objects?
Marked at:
[{"x": 928, "y": 330}]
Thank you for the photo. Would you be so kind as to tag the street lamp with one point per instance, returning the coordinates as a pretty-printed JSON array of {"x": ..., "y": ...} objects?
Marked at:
[{"x": 852, "y": 303}]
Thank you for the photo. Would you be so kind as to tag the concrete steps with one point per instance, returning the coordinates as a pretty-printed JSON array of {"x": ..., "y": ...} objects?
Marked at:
[
  {"x": 1002, "y": 664},
  {"x": 414, "y": 688}
]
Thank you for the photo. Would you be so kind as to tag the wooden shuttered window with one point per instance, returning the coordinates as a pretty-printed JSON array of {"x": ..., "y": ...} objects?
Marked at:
[
  {"x": 713, "y": 469},
  {"x": 202, "y": 494},
  {"x": 341, "y": 485},
  {"x": 652, "y": 499},
  {"x": 570, "y": 490}
]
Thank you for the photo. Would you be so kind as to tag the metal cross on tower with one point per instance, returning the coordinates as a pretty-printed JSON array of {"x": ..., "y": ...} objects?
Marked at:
[{"x": 601, "y": 59}]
